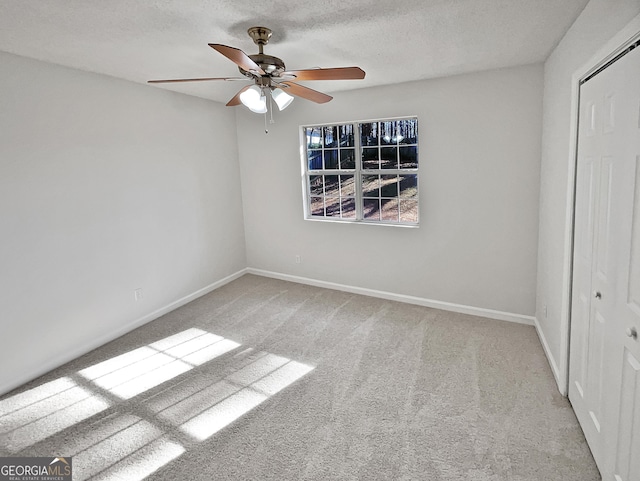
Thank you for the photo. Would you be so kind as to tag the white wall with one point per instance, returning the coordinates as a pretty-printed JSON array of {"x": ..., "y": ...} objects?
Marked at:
[
  {"x": 105, "y": 186},
  {"x": 479, "y": 182},
  {"x": 599, "y": 22}
]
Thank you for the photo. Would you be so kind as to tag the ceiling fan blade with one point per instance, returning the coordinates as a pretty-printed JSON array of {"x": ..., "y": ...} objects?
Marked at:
[
  {"x": 340, "y": 73},
  {"x": 237, "y": 56},
  {"x": 306, "y": 92},
  {"x": 236, "y": 99},
  {"x": 194, "y": 79}
]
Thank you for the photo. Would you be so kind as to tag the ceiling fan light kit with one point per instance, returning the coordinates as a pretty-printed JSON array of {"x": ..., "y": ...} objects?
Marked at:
[{"x": 269, "y": 75}]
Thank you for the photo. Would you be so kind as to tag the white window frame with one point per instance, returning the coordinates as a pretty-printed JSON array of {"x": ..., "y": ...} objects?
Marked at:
[{"x": 358, "y": 172}]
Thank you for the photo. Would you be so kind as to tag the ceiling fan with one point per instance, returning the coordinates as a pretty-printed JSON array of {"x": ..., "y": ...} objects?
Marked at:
[{"x": 269, "y": 75}]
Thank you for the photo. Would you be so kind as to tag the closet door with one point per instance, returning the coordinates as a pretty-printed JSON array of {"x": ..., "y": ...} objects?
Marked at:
[
  {"x": 604, "y": 371},
  {"x": 624, "y": 444},
  {"x": 593, "y": 266}
]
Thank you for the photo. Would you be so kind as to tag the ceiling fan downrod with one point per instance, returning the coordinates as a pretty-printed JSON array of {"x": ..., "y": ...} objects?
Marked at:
[{"x": 260, "y": 36}]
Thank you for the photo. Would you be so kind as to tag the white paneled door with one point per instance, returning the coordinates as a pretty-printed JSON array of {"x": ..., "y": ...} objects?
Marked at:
[{"x": 604, "y": 377}]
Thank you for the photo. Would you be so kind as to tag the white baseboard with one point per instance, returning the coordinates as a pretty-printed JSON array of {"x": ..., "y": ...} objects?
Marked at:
[
  {"x": 552, "y": 361},
  {"x": 446, "y": 306},
  {"x": 97, "y": 342}
]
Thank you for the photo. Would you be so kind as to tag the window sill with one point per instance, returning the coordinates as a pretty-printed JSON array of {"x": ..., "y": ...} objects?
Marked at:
[{"x": 364, "y": 222}]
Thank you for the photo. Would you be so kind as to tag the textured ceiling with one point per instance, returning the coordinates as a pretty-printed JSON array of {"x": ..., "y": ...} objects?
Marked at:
[{"x": 392, "y": 41}]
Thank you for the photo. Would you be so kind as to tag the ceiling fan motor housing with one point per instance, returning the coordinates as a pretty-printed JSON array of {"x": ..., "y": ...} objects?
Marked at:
[{"x": 273, "y": 66}]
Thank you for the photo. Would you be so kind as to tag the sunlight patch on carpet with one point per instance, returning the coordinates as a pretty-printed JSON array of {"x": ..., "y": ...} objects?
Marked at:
[
  {"x": 253, "y": 384},
  {"x": 47, "y": 409},
  {"x": 139, "y": 370}
]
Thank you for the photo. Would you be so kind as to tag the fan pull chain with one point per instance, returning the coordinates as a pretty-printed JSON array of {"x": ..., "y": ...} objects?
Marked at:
[
  {"x": 266, "y": 130},
  {"x": 271, "y": 107}
]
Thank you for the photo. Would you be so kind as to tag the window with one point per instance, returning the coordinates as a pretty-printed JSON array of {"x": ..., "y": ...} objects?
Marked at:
[{"x": 362, "y": 171}]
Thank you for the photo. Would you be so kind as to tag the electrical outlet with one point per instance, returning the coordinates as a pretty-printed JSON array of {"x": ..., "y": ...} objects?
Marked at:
[
  {"x": 137, "y": 294},
  {"x": 298, "y": 259}
]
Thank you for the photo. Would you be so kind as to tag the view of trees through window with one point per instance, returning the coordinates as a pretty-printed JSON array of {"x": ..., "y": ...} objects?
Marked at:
[{"x": 364, "y": 171}]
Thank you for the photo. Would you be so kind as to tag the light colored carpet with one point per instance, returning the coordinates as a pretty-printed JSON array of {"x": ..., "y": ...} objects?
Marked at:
[{"x": 269, "y": 380}]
